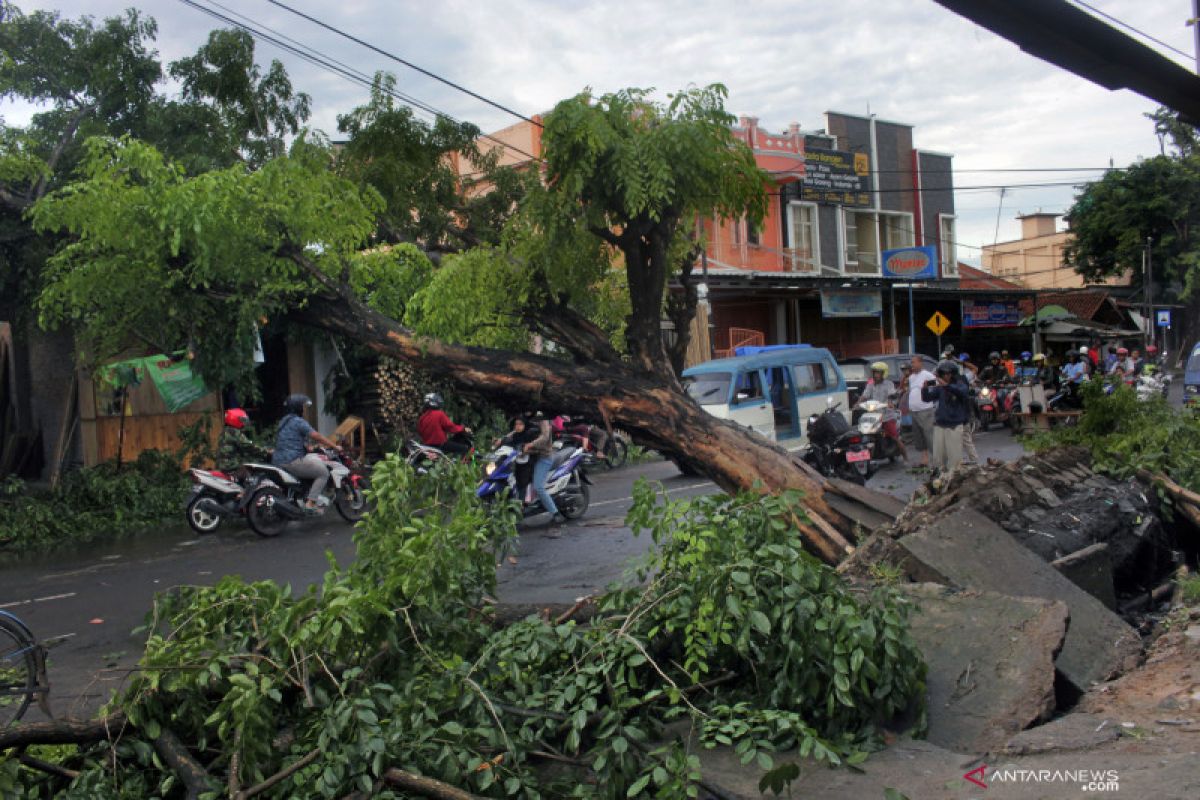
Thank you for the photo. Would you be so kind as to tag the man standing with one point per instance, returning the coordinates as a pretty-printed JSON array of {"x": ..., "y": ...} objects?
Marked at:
[
  {"x": 921, "y": 409},
  {"x": 949, "y": 391}
]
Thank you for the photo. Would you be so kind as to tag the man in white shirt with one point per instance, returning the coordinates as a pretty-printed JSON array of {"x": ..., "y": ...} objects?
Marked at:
[{"x": 921, "y": 409}]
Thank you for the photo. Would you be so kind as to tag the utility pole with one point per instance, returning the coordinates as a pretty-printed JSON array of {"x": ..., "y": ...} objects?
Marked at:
[
  {"x": 1150, "y": 321},
  {"x": 1195, "y": 23}
]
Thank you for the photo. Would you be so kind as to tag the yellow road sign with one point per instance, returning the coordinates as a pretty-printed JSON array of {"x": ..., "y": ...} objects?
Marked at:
[{"x": 938, "y": 323}]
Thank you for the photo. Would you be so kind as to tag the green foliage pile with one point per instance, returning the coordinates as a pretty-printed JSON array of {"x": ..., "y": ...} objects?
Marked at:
[
  {"x": 96, "y": 502},
  {"x": 1124, "y": 435},
  {"x": 737, "y": 635}
]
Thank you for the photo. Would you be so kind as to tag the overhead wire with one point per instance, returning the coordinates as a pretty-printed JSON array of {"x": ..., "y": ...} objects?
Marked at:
[
  {"x": 1138, "y": 31},
  {"x": 322, "y": 61}
]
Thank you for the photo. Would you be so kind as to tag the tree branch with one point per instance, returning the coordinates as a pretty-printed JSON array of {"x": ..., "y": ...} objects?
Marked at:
[
  {"x": 426, "y": 787},
  {"x": 62, "y": 731},
  {"x": 47, "y": 767},
  {"x": 68, "y": 135},
  {"x": 606, "y": 235},
  {"x": 177, "y": 758},
  {"x": 282, "y": 775}
]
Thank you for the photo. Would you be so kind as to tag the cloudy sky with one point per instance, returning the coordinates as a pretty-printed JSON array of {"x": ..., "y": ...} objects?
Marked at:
[{"x": 967, "y": 91}]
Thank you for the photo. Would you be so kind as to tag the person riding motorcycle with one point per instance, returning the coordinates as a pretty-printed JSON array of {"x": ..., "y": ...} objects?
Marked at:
[
  {"x": 1074, "y": 370},
  {"x": 596, "y": 437},
  {"x": 882, "y": 390},
  {"x": 234, "y": 447},
  {"x": 520, "y": 435},
  {"x": 436, "y": 429},
  {"x": 1026, "y": 369},
  {"x": 1045, "y": 373},
  {"x": 291, "y": 450},
  {"x": 995, "y": 372}
]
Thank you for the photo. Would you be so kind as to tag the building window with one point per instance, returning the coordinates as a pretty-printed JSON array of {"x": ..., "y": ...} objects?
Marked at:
[
  {"x": 803, "y": 241},
  {"x": 948, "y": 245},
  {"x": 861, "y": 241},
  {"x": 753, "y": 233},
  {"x": 735, "y": 232},
  {"x": 895, "y": 231}
]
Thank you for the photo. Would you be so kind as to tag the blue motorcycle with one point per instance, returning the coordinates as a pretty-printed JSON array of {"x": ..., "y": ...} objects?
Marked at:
[{"x": 567, "y": 483}]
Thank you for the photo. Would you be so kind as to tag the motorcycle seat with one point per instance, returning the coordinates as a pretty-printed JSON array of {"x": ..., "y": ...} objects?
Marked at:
[{"x": 562, "y": 456}]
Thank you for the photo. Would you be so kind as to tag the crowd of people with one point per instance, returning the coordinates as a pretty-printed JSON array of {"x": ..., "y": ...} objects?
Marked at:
[{"x": 941, "y": 403}]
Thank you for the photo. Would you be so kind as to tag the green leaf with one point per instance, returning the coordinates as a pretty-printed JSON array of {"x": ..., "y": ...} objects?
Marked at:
[{"x": 759, "y": 620}]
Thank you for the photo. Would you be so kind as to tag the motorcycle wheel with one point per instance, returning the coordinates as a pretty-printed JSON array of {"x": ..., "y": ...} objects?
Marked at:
[
  {"x": 985, "y": 420},
  {"x": 847, "y": 471},
  {"x": 618, "y": 453},
  {"x": 264, "y": 519},
  {"x": 351, "y": 501},
  {"x": 201, "y": 521},
  {"x": 575, "y": 503}
]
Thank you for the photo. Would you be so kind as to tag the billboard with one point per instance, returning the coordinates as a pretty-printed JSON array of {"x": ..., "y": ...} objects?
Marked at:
[
  {"x": 990, "y": 313},
  {"x": 834, "y": 176},
  {"x": 850, "y": 304},
  {"x": 911, "y": 263}
]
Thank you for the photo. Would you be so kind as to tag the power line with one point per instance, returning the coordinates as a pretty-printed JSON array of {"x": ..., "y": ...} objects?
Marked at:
[
  {"x": 320, "y": 60},
  {"x": 408, "y": 64},
  {"x": 1129, "y": 27}
]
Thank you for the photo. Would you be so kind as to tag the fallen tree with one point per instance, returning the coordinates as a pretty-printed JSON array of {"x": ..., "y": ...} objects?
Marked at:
[{"x": 224, "y": 249}]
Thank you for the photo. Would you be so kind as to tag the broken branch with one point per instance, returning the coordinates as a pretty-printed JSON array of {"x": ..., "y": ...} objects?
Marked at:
[{"x": 426, "y": 787}]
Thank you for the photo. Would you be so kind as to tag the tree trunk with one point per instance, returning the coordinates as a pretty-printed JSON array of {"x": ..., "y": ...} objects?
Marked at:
[{"x": 656, "y": 414}]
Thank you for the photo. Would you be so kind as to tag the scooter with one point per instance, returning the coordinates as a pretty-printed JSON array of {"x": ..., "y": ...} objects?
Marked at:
[
  {"x": 567, "y": 483},
  {"x": 214, "y": 496},
  {"x": 870, "y": 425},
  {"x": 279, "y": 497},
  {"x": 987, "y": 404},
  {"x": 835, "y": 449},
  {"x": 423, "y": 457}
]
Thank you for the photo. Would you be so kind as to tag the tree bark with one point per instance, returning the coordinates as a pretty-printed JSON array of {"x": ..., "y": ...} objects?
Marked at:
[
  {"x": 426, "y": 787},
  {"x": 654, "y": 412},
  {"x": 62, "y": 731}
]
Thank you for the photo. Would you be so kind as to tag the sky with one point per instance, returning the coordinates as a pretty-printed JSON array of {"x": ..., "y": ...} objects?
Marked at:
[{"x": 967, "y": 91}]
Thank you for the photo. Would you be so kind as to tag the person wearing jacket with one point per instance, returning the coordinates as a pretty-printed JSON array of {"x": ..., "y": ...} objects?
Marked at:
[
  {"x": 542, "y": 449},
  {"x": 436, "y": 429},
  {"x": 234, "y": 447},
  {"x": 952, "y": 396},
  {"x": 517, "y": 438}
]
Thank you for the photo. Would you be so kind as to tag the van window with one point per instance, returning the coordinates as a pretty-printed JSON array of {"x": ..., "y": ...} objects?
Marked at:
[
  {"x": 810, "y": 378},
  {"x": 749, "y": 387},
  {"x": 709, "y": 389},
  {"x": 1193, "y": 362}
]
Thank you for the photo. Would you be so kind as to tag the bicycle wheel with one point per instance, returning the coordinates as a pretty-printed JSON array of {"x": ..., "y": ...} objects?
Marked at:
[{"x": 18, "y": 672}]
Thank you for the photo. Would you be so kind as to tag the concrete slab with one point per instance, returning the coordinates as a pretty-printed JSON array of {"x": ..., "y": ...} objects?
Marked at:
[
  {"x": 1075, "y": 731},
  {"x": 1091, "y": 570},
  {"x": 973, "y": 552},
  {"x": 991, "y": 663}
]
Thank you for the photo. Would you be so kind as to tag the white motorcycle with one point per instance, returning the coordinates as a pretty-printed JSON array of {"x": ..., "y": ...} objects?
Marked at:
[{"x": 870, "y": 425}]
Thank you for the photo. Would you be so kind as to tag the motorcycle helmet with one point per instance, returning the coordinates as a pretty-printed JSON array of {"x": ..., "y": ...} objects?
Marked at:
[
  {"x": 948, "y": 367},
  {"x": 433, "y": 400},
  {"x": 1026, "y": 355},
  {"x": 1083, "y": 350},
  {"x": 1004, "y": 354},
  {"x": 236, "y": 418},
  {"x": 1039, "y": 357},
  {"x": 963, "y": 357},
  {"x": 1121, "y": 351},
  {"x": 880, "y": 367},
  {"x": 1152, "y": 349},
  {"x": 993, "y": 356},
  {"x": 296, "y": 403}
]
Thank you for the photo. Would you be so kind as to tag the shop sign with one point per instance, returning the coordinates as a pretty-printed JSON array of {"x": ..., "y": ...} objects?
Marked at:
[
  {"x": 836, "y": 304},
  {"x": 911, "y": 263},
  {"x": 991, "y": 313},
  {"x": 834, "y": 176}
]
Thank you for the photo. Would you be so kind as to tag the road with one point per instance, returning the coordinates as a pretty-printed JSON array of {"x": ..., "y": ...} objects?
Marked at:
[{"x": 85, "y": 604}]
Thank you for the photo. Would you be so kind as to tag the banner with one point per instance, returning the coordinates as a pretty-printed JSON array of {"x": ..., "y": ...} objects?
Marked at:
[
  {"x": 851, "y": 304},
  {"x": 176, "y": 383},
  {"x": 911, "y": 263},
  {"x": 990, "y": 314},
  {"x": 833, "y": 176}
]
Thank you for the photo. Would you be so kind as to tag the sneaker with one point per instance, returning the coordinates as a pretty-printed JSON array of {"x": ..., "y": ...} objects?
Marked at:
[{"x": 322, "y": 501}]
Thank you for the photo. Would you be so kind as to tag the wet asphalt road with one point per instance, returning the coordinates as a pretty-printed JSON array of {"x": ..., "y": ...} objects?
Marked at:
[{"x": 86, "y": 603}]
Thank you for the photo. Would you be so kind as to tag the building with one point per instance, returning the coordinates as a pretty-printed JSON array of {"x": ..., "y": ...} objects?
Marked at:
[
  {"x": 1036, "y": 260},
  {"x": 812, "y": 271}
]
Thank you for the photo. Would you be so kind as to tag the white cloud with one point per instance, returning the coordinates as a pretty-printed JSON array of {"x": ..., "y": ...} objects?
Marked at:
[{"x": 967, "y": 91}]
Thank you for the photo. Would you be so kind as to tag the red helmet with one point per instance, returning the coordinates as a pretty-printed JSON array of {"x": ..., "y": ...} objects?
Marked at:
[
  {"x": 1121, "y": 351},
  {"x": 1152, "y": 349},
  {"x": 236, "y": 418}
]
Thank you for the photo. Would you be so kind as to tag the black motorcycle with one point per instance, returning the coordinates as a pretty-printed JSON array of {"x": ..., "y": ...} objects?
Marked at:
[
  {"x": 835, "y": 449},
  {"x": 279, "y": 497}
]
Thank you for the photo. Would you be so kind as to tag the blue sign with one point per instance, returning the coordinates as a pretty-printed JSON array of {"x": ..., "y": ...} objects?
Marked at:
[
  {"x": 910, "y": 262},
  {"x": 1163, "y": 318},
  {"x": 991, "y": 314}
]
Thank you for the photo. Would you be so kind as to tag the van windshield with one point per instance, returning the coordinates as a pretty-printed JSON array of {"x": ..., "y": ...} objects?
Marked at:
[
  {"x": 710, "y": 389},
  {"x": 1193, "y": 364}
]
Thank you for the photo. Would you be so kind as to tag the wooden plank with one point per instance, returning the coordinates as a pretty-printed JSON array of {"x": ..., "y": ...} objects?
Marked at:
[
  {"x": 868, "y": 519},
  {"x": 878, "y": 502}
]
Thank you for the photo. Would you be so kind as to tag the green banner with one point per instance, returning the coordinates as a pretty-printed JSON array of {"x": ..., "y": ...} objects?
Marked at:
[{"x": 174, "y": 380}]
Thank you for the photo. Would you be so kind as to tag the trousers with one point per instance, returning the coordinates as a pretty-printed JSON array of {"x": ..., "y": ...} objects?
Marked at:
[
  {"x": 947, "y": 448},
  {"x": 541, "y": 470},
  {"x": 310, "y": 467}
]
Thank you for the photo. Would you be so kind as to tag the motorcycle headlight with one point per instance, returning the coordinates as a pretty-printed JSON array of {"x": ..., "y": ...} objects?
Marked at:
[
  {"x": 489, "y": 468},
  {"x": 985, "y": 392}
]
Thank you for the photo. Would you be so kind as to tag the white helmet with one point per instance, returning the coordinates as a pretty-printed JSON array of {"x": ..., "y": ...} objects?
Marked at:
[{"x": 1083, "y": 351}]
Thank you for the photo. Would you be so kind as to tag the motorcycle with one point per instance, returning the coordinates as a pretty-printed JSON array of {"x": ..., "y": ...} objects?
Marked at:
[
  {"x": 214, "y": 496},
  {"x": 616, "y": 449},
  {"x": 1067, "y": 398},
  {"x": 1148, "y": 386},
  {"x": 424, "y": 457},
  {"x": 835, "y": 449},
  {"x": 567, "y": 483},
  {"x": 987, "y": 406},
  {"x": 278, "y": 497},
  {"x": 870, "y": 425}
]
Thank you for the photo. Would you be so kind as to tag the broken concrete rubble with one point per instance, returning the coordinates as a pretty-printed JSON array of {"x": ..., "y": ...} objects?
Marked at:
[
  {"x": 970, "y": 551},
  {"x": 991, "y": 663}
]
